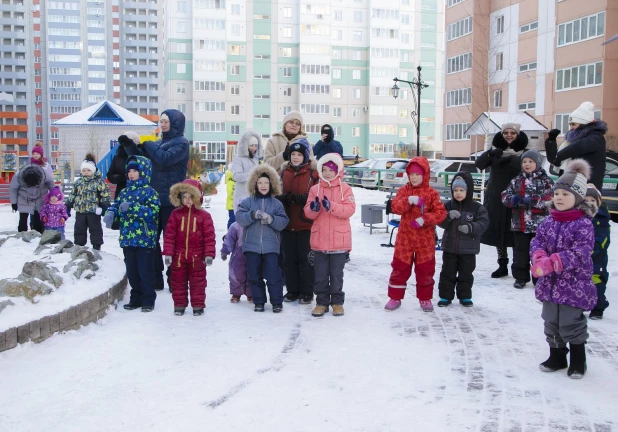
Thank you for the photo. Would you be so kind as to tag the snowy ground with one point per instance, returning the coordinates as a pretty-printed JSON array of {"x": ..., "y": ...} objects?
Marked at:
[{"x": 452, "y": 370}]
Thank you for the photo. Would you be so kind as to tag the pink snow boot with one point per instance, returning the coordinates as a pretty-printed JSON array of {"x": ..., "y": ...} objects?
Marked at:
[
  {"x": 391, "y": 305},
  {"x": 426, "y": 305}
]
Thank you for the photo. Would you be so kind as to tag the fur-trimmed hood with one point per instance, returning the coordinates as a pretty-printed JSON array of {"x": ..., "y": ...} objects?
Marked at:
[
  {"x": 331, "y": 157},
  {"x": 313, "y": 164},
  {"x": 520, "y": 143},
  {"x": 192, "y": 187},
  {"x": 243, "y": 144},
  {"x": 584, "y": 130},
  {"x": 273, "y": 177}
]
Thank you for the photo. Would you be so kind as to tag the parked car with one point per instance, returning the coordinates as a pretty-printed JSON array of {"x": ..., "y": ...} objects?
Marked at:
[
  {"x": 352, "y": 174},
  {"x": 370, "y": 174}
]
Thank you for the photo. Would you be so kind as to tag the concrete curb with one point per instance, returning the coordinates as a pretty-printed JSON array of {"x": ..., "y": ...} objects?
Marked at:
[{"x": 71, "y": 319}]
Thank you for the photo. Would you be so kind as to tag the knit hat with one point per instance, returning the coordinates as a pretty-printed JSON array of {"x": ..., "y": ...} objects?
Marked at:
[
  {"x": 415, "y": 168},
  {"x": 38, "y": 149},
  {"x": 301, "y": 146},
  {"x": 535, "y": 156},
  {"x": 132, "y": 165},
  {"x": 583, "y": 114},
  {"x": 459, "y": 183},
  {"x": 592, "y": 191},
  {"x": 293, "y": 115},
  {"x": 55, "y": 192},
  {"x": 332, "y": 165},
  {"x": 575, "y": 179},
  {"x": 515, "y": 126},
  {"x": 89, "y": 163},
  {"x": 162, "y": 117},
  {"x": 32, "y": 175},
  {"x": 133, "y": 136}
]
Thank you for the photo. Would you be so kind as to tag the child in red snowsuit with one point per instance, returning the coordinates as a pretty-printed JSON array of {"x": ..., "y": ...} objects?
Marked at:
[
  {"x": 189, "y": 246},
  {"x": 421, "y": 210}
]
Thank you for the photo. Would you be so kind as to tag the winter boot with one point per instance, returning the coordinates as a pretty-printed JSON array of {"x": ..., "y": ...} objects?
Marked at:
[
  {"x": 444, "y": 302},
  {"x": 426, "y": 305},
  {"x": 391, "y": 305},
  {"x": 277, "y": 308},
  {"x": 250, "y": 299},
  {"x": 130, "y": 306},
  {"x": 235, "y": 299},
  {"x": 594, "y": 314},
  {"x": 578, "y": 367},
  {"x": 291, "y": 297},
  {"x": 96, "y": 247},
  {"x": 147, "y": 308},
  {"x": 557, "y": 360},
  {"x": 159, "y": 286},
  {"x": 179, "y": 311},
  {"x": 503, "y": 269},
  {"x": 306, "y": 298},
  {"x": 319, "y": 311},
  {"x": 258, "y": 308},
  {"x": 466, "y": 302},
  {"x": 198, "y": 311},
  {"x": 337, "y": 310},
  {"x": 519, "y": 284}
]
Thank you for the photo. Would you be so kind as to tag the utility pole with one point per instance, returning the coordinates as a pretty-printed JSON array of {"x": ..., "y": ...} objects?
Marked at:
[{"x": 416, "y": 86}]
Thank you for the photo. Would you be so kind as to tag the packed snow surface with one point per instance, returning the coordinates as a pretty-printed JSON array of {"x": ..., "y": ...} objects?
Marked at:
[{"x": 456, "y": 369}]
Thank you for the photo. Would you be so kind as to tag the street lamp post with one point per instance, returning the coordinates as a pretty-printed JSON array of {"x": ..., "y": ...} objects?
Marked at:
[{"x": 416, "y": 84}]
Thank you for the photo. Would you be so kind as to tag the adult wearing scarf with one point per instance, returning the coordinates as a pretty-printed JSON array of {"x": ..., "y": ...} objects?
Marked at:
[
  {"x": 504, "y": 159},
  {"x": 327, "y": 144},
  {"x": 277, "y": 147}
]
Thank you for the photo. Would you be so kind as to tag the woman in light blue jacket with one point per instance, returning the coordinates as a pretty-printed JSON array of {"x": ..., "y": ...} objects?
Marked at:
[{"x": 263, "y": 217}]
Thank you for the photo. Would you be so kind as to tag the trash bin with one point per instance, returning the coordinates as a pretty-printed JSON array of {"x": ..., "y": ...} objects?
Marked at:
[{"x": 372, "y": 214}]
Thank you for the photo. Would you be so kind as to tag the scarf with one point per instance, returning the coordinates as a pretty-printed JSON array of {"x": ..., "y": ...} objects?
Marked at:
[{"x": 566, "y": 216}]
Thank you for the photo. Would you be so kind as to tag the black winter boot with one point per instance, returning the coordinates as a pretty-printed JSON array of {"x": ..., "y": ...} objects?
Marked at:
[
  {"x": 503, "y": 269},
  {"x": 578, "y": 367},
  {"x": 557, "y": 360}
]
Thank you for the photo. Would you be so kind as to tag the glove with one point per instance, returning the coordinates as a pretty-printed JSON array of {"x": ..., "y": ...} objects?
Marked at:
[
  {"x": 125, "y": 141},
  {"x": 505, "y": 160},
  {"x": 526, "y": 200},
  {"x": 267, "y": 219},
  {"x": 223, "y": 257},
  {"x": 315, "y": 205},
  {"x": 466, "y": 229},
  {"x": 542, "y": 267},
  {"x": 68, "y": 208},
  {"x": 98, "y": 211},
  {"x": 108, "y": 219},
  {"x": 515, "y": 201},
  {"x": 311, "y": 257},
  {"x": 299, "y": 199},
  {"x": 326, "y": 204},
  {"x": 286, "y": 153},
  {"x": 453, "y": 214},
  {"x": 553, "y": 134},
  {"x": 124, "y": 207},
  {"x": 537, "y": 255},
  {"x": 496, "y": 152},
  {"x": 415, "y": 200},
  {"x": 168, "y": 261},
  {"x": 417, "y": 223},
  {"x": 14, "y": 207},
  {"x": 44, "y": 219},
  {"x": 556, "y": 262},
  {"x": 208, "y": 261},
  {"x": 285, "y": 198}
]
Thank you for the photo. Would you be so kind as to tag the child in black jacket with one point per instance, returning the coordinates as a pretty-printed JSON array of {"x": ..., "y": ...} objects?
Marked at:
[{"x": 466, "y": 220}]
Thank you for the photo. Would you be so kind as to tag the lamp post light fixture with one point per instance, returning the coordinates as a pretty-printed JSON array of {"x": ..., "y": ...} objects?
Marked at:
[{"x": 416, "y": 84}]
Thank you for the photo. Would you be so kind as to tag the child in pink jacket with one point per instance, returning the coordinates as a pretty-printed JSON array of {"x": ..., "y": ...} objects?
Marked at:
[{"x": 330, "y": 205}]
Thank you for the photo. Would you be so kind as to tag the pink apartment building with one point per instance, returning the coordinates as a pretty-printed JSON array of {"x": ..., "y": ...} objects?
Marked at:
[{"x": 544, "y": 57}]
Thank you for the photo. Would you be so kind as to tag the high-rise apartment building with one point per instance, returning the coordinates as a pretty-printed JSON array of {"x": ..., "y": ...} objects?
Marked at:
[
  {"x": 232, "y": 65},
  {"x": 544, "y": 57}
]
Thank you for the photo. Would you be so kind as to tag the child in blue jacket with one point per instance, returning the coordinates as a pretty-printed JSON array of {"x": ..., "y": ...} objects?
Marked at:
[{"x": 602, "y": 238}]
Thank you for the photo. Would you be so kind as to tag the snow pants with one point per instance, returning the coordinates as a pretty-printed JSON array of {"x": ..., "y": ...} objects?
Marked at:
[
  {"x": 164, "y": 215},
  {"x": 521, "y": 256},
  {"x": 188, "y": 277},
  {"x": 328, "y": 285},
  {"x": 239, "y": 282},
  {"x": 564, "y": 324},
  {"x": 401, "y": 273},
  {"x": 456, "y": 276},
  {"x": 260, "y": 267},
  {"x": 35, "y": 222},
  {"x": 299, "y": 274},
  {"x": 85, "y": 222},
  {"x": 600, "y": 281},
  {"x": 231, "y": 218},
  {"x": 140, "y": 272}
]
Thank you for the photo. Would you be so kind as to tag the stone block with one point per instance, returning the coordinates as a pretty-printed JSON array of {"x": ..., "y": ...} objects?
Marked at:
[
  {"x": 45, "y": 328},
  {"x": 73, "y": 316},
  {"x": 63, "y": 320},
  {"x": 82, "y": 311},
  {"x": 23, "y": 333},
  {"x": 54, "y": 324},
  {"x": 3, "y": 341},
  {"x": 101, "y": 314},
  {"x": 90, "y": 319},
  {"x": 10, "y": 336},
  {"x": 35, "y": 330}
]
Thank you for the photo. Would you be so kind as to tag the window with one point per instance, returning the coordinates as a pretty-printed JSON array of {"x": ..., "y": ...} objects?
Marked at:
[
  {"x": 337, "y": 34},
  {"x": 338, "y": 15},
  {"x": 287, "y": 32},
  {"x": 527, "y": 67},
  {"x": 234, "y": 69},
  {"x": 235, "y": 90},
  {"x": 455, "y": 132},
  {"x": 403, "y": 132},
  {"x": 287, "y": 91},
  {"x": 236, "y": 29},
  {"x": 497, "y": 98},
  {"x": 315, "y": 69},
  {"x": 181, "y": 89},
  {"x": 235, "y": 109},
  {"x": 499, "y": 61},
  {"x": 357, "y": 93},
  {"x": 453, "y": 2},
  {"x": 235, "y": 9},
  {"x": 579, "y": 76},
  {"x": 337, "y": 93},
  {"x": 581, "y": 29},
  {"x": 181, "y": 26},
  {"x": 500, "y": 25},
  {"x": 459, "y": 28},
  {"x": 261, "y": 116},
  {"x": 336, "y": 73},
  {"x": 337, "y": 112},
  {"x": 356, "y": 74},
  {"x": 405, "y": 19},
  {"x": 181, "y": 68},
  {"x": 459, "y": 97},
  {"x": 358, "y": 16},
  {"x": 209, "y": 126},
  {"x": 182, "y": 108},
  {"x": 357, "y": 35},
  {"x": 286, "y": 52},
  {"x": 235, "y": 130},
  {"x": 211, "y": 150},
  {"x": 385, "y": 33},
  {"x": 286, "y": 110},
  {"x": 314, "y": 89},
  {"x": 355, "y": 150},
  {"x": 526, "y": 106},
  {"x": 287, "y": 72},
  {"x": 287, "y": 12},
  {"x": 209, "y": 86},
  {"x": 181, "y": 6},
  {"x": 381, "y": 148},
  {"x": 315, "y": 108},
  {"x": 209, "y": 65},
  {"x": 356, "y": 131},
  {"x": 208, "y": 44},
  {"x": 405, "y": 56},
  {"x": 459, "y": 63},
  {"x": 529, "y": 27},
  {"x": 383, "y": 110},
  {"x": 356, "y": 55},
  {"x": 383, "y": 129},
  {"x": 337, "y": 54},
  {"x": 209, "y": 106},
  {"x": 385, "y": 52}
]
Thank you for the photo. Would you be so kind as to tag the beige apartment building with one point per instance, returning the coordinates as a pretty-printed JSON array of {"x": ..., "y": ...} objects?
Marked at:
[{"x": 544, "y": 57}]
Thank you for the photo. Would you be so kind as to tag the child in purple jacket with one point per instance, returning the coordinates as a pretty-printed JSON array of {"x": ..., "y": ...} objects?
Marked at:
[
  {"x": 562, "y": 260},
  {"x": 232, "y": 245},
  {"x": 54, "y": 213}
]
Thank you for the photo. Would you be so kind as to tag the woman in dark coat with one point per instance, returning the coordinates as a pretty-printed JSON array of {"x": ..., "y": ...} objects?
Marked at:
[
  {"x": 504, "y": 158},
  {"x": 116, "y": 173}
]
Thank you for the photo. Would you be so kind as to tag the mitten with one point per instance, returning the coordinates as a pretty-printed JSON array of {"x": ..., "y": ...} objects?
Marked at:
[
  {"x": 168, "y": 261},
  {"x": 515, "y": 201},
  {"x": 505, "y": 160},
  {"x": 125, "y": 141},
  {"x": 496, "y": 152},
  {"x": 98, "y": 211},
  {"x": 208, "y": 261},
  {"x": 62, "y": 220},
  {"x": 415, "y": 200},
  {"x": 68, "y": 208},
  {"x": 223, "y": 257},
  {"x": 542, "y": 267},
  {"x": 453, "y": 214},
  {"x": 556, "y": 262},
  {"x": 326, "y": 204},
  {"x": 44, "y": 219},
  {"x": 553, "y": 134},
  {"x": 286, "y": 153},
  {"x": 257, "y": 214},
  {"x": 285, "y": 198},
  {"x": 124, "y": 207},
  {"x": 417, "y": 223},
  {"x": 267, "y": 219},
  {"x": 526, "y": 200},
  {"x": 315, "y": 205},
  {"x": 108, "y": 219},
  {"x": 537, "y": 255},
  {"x": 466, "y": 229},
  {"x": 311, "y": 257},
  {"x": 14, "y": 207}
]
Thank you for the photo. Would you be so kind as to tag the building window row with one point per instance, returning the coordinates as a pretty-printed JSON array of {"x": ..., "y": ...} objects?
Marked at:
[
  {"x": 209, "y": 4},
  {"x": 459, "y": 28},
  {"x": 209, "y": 44},
  {"x": 210, "y": 106},
  {"x": 385, "y": 52},
  {"x": 314, "y": 89},
  {"x": 459, "y": 97},
  {"x": 459, "y": 63},
  {"x": 579, "y": 76},
  {"x": 315, "y": 69},
  {"x": 315, "y": 108},
  {"x": 385, "y": 13},
  {"x": 527, "y": 67},
  {"x": 385, "y": 33},
  {"x": 529, "y": 27},
  {"x": 53, "y": 31},
  {"x": 209, "y": 126},
  {"x": 381, "y": 148},
  {"x": 378, "y": 129},
  {"x": 581, "y": 29},
  {"x": 526, "y": 106},
  {"x": 208, "y": 24},
  {"x": 63, "y": 5},
  {"x": 383, "y": 110},
  {"x": 455, "y": 132},
  {"x": 212, "y": 150},
  {"x": 209, "y": 65}
]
